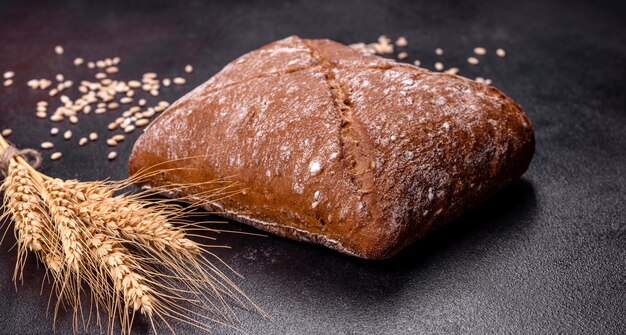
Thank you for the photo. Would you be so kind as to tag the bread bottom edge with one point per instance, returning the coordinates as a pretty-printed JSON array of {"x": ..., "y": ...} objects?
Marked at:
[{"x": 270, "y": 227}]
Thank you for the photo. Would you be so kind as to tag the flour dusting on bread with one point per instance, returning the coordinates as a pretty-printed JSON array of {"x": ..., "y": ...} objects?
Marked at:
[{"x": 353, "y": 151}]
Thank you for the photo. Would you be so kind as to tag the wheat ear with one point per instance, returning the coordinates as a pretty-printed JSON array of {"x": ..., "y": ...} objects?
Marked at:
[
  {"x": 31, "y": 226},
  {"x": 133, "y": 253}
]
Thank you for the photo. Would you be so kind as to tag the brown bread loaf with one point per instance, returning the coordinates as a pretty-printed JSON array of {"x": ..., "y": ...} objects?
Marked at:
[{"x": 356, "y": 152}]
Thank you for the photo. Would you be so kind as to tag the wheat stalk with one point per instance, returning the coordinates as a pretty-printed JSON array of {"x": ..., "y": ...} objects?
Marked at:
[
  {"x": 31, "y": 226},
  {"x": 117, "y": 262},
  {"x": 140, "y": 222},
  {"x": 27, "y": 216},
  {"x": 134, "y": 254},
  {"x": 63, "y": 211}
]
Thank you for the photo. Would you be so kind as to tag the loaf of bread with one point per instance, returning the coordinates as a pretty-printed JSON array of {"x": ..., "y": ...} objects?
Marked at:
[{"x": 331, "y": 146}]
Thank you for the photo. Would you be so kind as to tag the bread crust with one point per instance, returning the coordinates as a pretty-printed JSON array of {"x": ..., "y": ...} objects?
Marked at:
[{"x": 355, "y": 152}]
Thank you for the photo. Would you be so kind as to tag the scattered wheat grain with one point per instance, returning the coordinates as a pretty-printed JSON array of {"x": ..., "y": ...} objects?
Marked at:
[
  {"x": 142, "y": 122},
  {"x": 118, "y": 138},
  {"x": 480, "y": 51},
  {"x": 453, "y": 70},
  {"x": 33, "y": 84},
  {"x": 44, "y": 83},
  {"x": 402, "y": 42},
  {"x": 148, "y": 113}
]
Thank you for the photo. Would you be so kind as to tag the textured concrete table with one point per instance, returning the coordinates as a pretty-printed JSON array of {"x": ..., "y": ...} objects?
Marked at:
[{"x": 547, "y": 255}]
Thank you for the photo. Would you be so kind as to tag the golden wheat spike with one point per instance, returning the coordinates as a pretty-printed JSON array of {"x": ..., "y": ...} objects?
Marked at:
[{"x": 133, "y": 253}]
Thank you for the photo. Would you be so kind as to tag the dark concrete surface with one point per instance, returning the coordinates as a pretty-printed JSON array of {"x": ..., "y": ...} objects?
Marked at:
[{"x": 546, "y": 255}]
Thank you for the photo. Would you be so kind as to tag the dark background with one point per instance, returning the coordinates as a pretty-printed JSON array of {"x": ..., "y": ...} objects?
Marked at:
[{"x": 547, "y": 255}]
